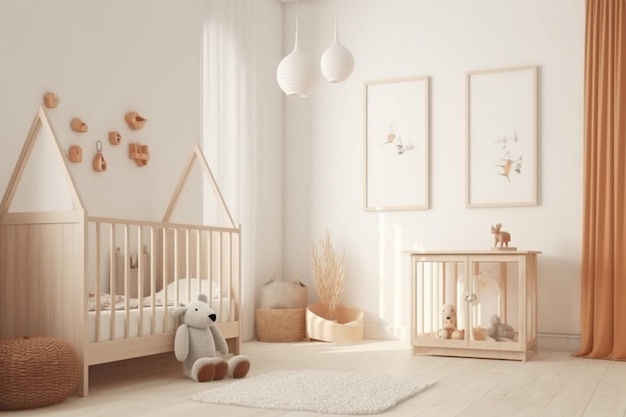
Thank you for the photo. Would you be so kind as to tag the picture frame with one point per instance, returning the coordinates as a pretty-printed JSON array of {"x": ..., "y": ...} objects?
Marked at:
[
  {"x": 397, "y": 139},
  {"x": 501, "y": 137}
]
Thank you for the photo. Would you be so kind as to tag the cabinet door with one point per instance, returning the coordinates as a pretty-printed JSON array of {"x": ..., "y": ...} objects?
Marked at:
[
  {"x": 438, "y": 287},
  {"x": 493, "y": 299}
]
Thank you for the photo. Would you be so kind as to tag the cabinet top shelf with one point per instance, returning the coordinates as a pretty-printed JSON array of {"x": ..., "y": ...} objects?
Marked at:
[{"x": 474, "y": 252}]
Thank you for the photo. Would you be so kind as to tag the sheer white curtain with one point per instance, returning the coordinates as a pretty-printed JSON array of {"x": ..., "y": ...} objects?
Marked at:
[{"x": 228, "y": 117}]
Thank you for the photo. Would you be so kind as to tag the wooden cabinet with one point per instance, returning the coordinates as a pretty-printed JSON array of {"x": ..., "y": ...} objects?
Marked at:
[{"x": 479, "y": 285}]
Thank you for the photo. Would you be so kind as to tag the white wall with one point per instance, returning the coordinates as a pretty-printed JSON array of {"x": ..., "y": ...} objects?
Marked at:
[
  {"x": 324, "y": 147},
  {"x": 106, "y": 58},
  {"x": 265, "y": 222},
  {"x": 103, "y": 59}
]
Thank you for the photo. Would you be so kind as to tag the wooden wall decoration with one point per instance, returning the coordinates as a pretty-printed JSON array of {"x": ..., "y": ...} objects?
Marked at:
[
  {"x": 50, "y": 100},
  {"x": 99, "y": 163},
  {"x": 134, "y": 120},
  {"x": 75, "y": 154},
  {"x": 78, "y": 125},
  {"x": 115, "y": 138},
  {"x": 139, "y": 153}
]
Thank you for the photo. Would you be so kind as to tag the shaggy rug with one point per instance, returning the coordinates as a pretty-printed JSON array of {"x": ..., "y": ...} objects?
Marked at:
[{"x": 317, "y": 391}]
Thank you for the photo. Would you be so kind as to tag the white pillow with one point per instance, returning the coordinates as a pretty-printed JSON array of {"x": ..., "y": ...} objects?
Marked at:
[{"x": 193, "y": 284}]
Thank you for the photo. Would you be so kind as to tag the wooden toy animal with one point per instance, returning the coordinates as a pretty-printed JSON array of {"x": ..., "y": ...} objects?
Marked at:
[{"x": 500, "y": 236}]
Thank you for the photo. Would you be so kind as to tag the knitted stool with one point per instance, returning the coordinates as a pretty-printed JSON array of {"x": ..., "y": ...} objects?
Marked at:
[{"x": 36, "y": 372}]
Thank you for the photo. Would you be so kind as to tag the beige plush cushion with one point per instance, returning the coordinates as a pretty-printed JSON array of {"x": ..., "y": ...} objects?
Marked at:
[{"x": 283, "y": 294}]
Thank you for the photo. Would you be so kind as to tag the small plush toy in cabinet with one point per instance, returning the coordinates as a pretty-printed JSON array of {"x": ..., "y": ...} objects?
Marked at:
[
  {"x": 197, "y": 342},
  {"x": 449, "y": 328},
  {"x": 499, "y": 331}
]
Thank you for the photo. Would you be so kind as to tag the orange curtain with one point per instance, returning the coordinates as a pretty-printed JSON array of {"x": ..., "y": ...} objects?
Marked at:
[{"x": 604, "y": 228}]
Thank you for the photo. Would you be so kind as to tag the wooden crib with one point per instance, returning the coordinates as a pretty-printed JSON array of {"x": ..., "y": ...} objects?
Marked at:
[
  {"x": 128, "y": 308},
  {"x": 106, "y": 286}
]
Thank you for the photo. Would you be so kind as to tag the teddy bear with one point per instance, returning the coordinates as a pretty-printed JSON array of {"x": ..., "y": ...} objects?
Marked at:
[
  {"x": 197, "y": 342},
  {"x": 500, "y": 331},
  {"x": 449, "y": 329}
]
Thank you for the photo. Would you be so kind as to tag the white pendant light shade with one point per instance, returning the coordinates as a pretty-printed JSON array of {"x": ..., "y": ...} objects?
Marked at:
[
  {"x": 337, "y": 61},
  {"x": 297, "y": 74}
]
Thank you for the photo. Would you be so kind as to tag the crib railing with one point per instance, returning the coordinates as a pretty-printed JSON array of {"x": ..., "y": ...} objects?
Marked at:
[{"x": 162, "y": 266}]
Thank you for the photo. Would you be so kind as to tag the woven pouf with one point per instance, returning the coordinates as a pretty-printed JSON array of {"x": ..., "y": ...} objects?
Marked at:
[{"x": 36, "y": 372}]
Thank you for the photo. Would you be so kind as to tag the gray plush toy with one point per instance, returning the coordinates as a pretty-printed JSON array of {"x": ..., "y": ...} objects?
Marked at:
[
  {"x": 197, "y": 342},
  {"x": 500, "y": 331}
]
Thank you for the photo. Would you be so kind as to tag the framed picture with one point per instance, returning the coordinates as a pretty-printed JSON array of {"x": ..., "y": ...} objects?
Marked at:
[
  {"x": 501, "y": 133},
  {"x": 397, "y": 144}
]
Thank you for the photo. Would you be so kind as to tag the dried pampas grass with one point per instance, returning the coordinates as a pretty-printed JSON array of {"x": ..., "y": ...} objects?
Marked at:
[{"x": 328, "y": 274}]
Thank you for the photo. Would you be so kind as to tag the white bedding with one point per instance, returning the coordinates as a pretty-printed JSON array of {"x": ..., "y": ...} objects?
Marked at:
[
  {"x": 133, "y": 317},
  {"x": 162, "y": 322},
  {"x": 141, "y": 318}
]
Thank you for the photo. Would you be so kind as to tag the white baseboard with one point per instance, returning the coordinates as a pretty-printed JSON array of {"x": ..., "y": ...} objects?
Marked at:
[{"x": 558, "y": 342}]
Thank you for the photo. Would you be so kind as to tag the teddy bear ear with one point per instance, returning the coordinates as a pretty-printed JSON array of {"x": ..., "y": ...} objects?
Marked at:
[{"x": 203, "y": 298}]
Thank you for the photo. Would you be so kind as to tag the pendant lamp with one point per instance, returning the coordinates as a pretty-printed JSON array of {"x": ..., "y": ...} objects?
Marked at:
[
  {"x": 297, "y": 74},
  {"x": 337, "y": 61}
]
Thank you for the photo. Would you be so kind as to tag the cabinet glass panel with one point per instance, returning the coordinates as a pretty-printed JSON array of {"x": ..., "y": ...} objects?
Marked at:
[
  {"x": 438, "y": 283},
  {"x": 493, "y": 301}
]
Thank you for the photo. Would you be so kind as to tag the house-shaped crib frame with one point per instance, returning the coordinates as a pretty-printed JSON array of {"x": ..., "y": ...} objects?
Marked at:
[{"x": 58, "y": 269}]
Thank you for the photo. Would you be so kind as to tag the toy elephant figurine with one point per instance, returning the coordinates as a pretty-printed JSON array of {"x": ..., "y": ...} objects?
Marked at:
[{"x": 197, "y": 342}]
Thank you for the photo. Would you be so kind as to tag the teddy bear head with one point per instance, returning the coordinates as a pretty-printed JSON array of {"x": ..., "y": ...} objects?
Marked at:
[
  {"x": 495, "y": 320},
  {"x": 448, "y": 314},
  {"x": 197, "y": 314}
]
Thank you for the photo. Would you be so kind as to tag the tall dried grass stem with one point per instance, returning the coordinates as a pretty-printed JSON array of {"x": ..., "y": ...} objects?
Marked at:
[{"x": 328, "y": 274}]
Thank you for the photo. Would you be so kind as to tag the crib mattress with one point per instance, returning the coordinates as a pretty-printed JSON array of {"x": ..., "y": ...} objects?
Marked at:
[{"x": 150, "y": 320}]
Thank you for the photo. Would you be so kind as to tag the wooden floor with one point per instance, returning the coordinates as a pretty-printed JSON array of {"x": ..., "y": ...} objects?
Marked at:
[{"x": 551, "y": 384}]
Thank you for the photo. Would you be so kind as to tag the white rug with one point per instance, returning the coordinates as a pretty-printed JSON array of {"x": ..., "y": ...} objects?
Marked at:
[{"x": 317, "y": 391}]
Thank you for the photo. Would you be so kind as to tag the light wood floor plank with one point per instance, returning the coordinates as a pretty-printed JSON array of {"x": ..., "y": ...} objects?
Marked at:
[
  {"x": 609, "y": 398},
  {"x": 550, "y": 384},
  {"x": 528, "y": 390},
  {"x": 576, "y": 392},
  {"x": 463, "y": 387}
]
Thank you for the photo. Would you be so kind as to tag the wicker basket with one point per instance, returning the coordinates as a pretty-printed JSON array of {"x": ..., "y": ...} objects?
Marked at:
[
  {"x": 283, "y": 294},
  {"x": 280, "y": 324},
  {"x": 36, "y": 372}
]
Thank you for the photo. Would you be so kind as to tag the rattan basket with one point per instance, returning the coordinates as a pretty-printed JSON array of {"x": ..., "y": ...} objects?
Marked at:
[
  {"x": 280, "y": 324},
  {"x": 36, "y": 372}
]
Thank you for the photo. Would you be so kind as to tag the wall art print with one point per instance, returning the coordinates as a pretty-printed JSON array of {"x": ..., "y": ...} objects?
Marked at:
[
  {"x": 397, "y": 144},
  {"x": 501, "y": 137}
]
